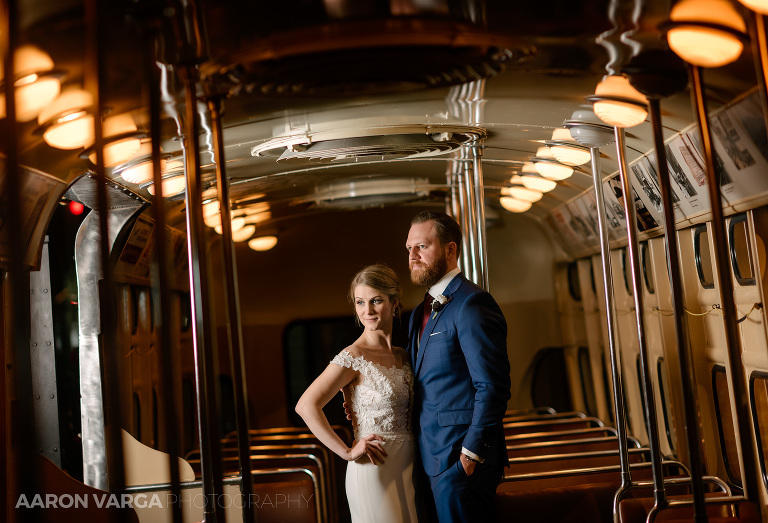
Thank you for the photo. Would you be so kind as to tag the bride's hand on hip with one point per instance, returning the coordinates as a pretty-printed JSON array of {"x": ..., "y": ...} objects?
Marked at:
[{"x": 369, "y": 446}]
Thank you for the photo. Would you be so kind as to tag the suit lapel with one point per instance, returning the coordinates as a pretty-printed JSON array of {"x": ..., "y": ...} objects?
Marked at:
[{"x": 421, "y": 344}]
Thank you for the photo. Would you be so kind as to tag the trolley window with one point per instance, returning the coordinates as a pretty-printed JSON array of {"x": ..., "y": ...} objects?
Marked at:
[
  {"x": 573, "y": 281},
  {"x": 725, "y": 426},
  {"x": 645, "y": 263},
  {"x": 758, "y": 396},
  {"x": 703, "y": 257},
  {"x": 741, "y": 255},
  {"x": 626, "y": 270},
  {"x": 587, "y": 382},
  {"x": 666, "y": 405}
]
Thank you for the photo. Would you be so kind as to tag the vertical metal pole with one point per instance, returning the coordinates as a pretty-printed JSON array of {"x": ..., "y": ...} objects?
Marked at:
[
  {"x": 461, "y": 193},
  {"x": 109, "y": 364},
  {"x": 618, "y": 387},
  {"x": 168, "y": 405},
  {"x": 481, "y": 244},
  {"x": 691, "y": 426},
  {"x": 17, "y": 282},
  {"x": 737, "y": 382},
  {"x": 473, "y": 272},
  {"x": 202, "y": 326},
  {"x": 236, "y": 355},
  {"x": 759, "y": 41},
  {"x": 647, "y": 385}
]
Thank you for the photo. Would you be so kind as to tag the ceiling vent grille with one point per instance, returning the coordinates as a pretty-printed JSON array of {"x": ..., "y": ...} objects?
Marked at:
[{"x": 370, "y": 142}]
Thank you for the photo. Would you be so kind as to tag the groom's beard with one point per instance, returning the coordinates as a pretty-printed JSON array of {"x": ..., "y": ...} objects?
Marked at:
[{"x": 425, "y": 275}]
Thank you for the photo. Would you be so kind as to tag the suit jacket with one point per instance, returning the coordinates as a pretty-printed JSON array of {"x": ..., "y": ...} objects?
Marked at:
[{"x": 462, "y": 384}]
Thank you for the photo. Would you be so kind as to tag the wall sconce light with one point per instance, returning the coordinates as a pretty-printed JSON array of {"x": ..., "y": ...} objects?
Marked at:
[
  {"x": 617, "y": 103},
  {"x": 67, "y": 122},
  {"x": 566, "y": 150},
  {"x": 706, "y": 33},
  {"x": 548, "y": 166},
  {"x": 263, "y": 243},
  {"x": 522, "y": 193},
  {"x": 36, "y": 83},
  {"x": 513, "y": 204},
  {"x": 140, "y": 169}
]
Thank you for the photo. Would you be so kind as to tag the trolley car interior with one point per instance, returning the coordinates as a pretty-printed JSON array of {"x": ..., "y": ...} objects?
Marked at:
[{"x": 188, "y": 187}]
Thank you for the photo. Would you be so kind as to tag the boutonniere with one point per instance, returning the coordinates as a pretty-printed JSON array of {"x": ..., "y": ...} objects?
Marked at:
[{"x": 437, "y": 305}]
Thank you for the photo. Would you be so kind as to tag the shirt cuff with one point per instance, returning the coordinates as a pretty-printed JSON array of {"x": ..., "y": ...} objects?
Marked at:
[{"x": 472, "y": 455}]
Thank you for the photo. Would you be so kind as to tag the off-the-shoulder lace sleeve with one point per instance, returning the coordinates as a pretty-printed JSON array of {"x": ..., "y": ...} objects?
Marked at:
[{"x": 346, "y": 360}]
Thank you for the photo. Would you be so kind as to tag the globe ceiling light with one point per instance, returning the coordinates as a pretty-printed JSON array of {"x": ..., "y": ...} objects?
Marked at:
[
  {"x": 238, "y": 222},
  {"x": 537, "y": 183},
  {"x": 243, "y": 233},
  {"x": 706, "y": 33},
  {"x": 529, "y": 168},
  {"x": 122, "y": 140},
  {"x": 35, "y": 82},
  {"x": 589, "y": 130},
  {"x": 759, "y": 6},
  {"x": 549, "y": 167},
  {"x": 566, "y": 150},
  {"x": 522, "y": 193},
  {"x": 617, "y": 103},
  {"x": 171, "y": 186},
  {"x": 67, "y": 122},
  {"x": 140, "y": 169},
  {"x": 263, "y": 243},
  {"x": 513, "y": 204}
]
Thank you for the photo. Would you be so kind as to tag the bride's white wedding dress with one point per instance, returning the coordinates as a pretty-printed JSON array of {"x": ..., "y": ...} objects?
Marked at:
[{"x": 380, "y": 400}]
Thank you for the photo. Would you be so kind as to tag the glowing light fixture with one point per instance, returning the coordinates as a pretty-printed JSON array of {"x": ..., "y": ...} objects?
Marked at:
[
  {"x": 522, "y": 193},
  {"x": 121, "y": 140},
  {"x": 237, "y": 224},
  {"x": 243, "y": 233},
  {"x": 35, "y": 82},
  {"x": 566, "y": 150},
  {"x": 549, "y": 167},
  {"x": 140, "y": 169},
  {"x": 171, "y": 186},
  {"x": 67, "y": 122},
  {"x": 706, "y": 33},
  {"x": 263, "y": 243},
  {"x": 537, "y": 183},
  {"x": 617, "y": 103},
  {"x": 513, "y": 204},
  {"x": 759, "y": 6}
]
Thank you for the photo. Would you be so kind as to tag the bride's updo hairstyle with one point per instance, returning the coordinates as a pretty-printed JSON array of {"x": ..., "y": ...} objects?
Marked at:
[{"x": 380, "y": 278}]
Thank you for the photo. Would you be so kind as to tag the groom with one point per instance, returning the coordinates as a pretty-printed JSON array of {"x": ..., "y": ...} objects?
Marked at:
[{"x": 458, "y": 351}]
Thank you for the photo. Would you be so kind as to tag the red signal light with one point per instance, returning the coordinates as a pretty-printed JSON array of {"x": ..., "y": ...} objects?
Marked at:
[{"x": 76, "y": 208}]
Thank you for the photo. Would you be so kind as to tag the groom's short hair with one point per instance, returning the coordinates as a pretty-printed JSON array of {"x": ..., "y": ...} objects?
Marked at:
[{"x": 446, "y": 227}]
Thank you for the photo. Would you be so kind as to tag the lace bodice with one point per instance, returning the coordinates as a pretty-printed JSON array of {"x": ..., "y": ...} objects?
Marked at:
[{"x": 380, "y": 396}]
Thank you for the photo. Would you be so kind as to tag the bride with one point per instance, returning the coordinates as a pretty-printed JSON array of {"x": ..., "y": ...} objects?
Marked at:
[{"x": 378, "y": 384}]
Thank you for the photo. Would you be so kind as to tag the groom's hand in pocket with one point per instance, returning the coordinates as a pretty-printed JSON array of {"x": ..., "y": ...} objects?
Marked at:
[{"x": 468, "y": 464}]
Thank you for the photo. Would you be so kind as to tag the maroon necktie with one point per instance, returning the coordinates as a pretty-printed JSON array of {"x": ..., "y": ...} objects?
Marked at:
[{"x": 427, "y": 310}]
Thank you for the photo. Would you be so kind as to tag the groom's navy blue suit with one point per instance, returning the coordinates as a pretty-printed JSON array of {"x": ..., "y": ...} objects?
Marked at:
[{"x": 461, "y": 391}]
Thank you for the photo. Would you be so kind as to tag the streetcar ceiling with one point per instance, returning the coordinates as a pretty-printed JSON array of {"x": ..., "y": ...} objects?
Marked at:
[{"x": 555, "y": 60}]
